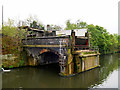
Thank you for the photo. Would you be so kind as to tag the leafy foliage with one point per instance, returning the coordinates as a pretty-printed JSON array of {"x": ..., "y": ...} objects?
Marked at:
[
  {"x": 11, "y": 40},
  {"x": 79, "y": 24},
  {"x": 55, "y": 27},
  {"x": 107, "y": 43},
  {"x": 33, "y": 22}
]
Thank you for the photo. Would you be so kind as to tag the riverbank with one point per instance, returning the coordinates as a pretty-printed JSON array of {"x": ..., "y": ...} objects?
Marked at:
[
  {"x": 12, "y": 61},
  {"x": 41, "y": 76}
]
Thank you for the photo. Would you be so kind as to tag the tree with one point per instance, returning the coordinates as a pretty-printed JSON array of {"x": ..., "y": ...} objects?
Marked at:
[
  {"x": 34, "y": 22},
  {"x": 11, "y": 40},
  {"x": 106, "y": 42},
  {"x": 78, "y": 25},
  {"x": 56, "y": 27},
  {"x": 81, "y": 24}
]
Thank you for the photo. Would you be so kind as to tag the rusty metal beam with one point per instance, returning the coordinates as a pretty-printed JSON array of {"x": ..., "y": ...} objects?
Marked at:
[{"x": 43, "y": 45}]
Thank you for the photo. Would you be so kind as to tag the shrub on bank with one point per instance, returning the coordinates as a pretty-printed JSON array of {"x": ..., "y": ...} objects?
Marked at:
[{"x": 11, "y": 44}]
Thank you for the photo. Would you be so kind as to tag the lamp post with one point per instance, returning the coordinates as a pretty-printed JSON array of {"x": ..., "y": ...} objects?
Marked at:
[{"x": 2, "y": 17}]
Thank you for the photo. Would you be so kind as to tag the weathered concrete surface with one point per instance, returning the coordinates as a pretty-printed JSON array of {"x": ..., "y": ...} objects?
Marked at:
[{"x": 41, "y": 49}]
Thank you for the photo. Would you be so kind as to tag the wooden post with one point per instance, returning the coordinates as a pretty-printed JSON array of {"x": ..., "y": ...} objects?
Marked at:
[
  {"x": 73, "y": 40},
  {"x": 89, "y": 39}
]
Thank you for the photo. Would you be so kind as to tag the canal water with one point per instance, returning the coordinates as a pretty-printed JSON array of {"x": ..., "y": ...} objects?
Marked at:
[{"x": 47, "y": 76}]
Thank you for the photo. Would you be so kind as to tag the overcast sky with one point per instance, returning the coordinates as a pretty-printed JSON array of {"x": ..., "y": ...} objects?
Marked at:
[{"x": 98, "y": 12}]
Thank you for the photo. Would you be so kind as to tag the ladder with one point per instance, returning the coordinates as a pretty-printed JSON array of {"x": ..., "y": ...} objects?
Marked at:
[{"x": 61, "y": 60}]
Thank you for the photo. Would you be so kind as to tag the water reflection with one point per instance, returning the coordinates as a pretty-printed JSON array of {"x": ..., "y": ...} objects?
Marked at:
[{"x": 47, "y": 76}]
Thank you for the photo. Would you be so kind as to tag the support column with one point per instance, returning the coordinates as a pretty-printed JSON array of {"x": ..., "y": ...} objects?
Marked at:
[{"x": 62, "y": 64}]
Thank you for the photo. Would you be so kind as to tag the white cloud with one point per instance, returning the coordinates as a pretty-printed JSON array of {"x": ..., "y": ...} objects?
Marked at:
[{"x": 97, "y": 12}]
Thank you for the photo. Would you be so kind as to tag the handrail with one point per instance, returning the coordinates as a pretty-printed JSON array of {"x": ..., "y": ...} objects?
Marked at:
[
  {"x": 84, "y": 47},
  {"x": 80, "y": 45},
  {"x": 94, "y": 48}
]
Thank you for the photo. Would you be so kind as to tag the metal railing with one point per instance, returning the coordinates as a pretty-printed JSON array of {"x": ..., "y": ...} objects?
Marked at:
[
  {"x": 86, "y": 47},
  {"x": 94, "y": 48},
  {"x": 81, "y": 47}
]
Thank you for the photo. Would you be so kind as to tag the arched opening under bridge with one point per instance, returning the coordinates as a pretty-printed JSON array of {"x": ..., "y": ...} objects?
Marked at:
[
  {"x": 50, "y": 61},
  {"x": 49, "y": 57}
]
